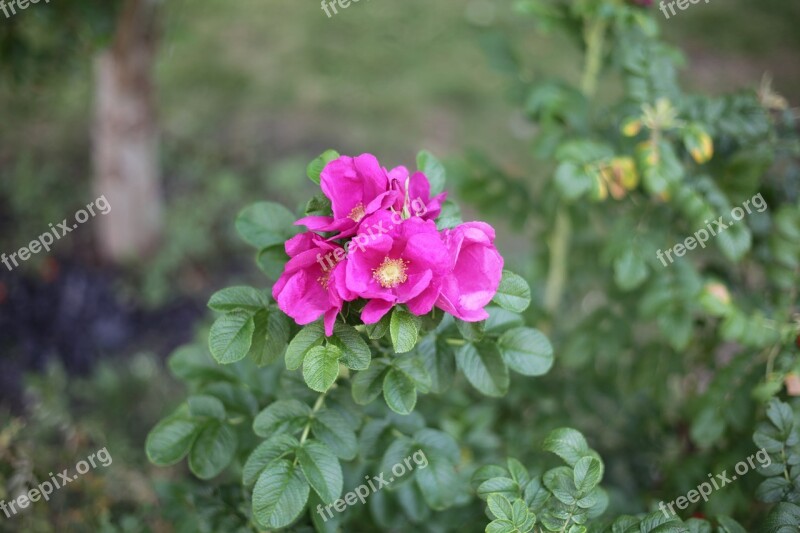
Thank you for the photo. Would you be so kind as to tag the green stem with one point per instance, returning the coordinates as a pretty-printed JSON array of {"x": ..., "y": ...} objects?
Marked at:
[
  {"x": 594, "y": 35},
  {"x": 455, "y": 342},
  {"x": 557, "y": 272},
  {"x": 569, "y": 519},
  {"x": 317, "y": 407}
]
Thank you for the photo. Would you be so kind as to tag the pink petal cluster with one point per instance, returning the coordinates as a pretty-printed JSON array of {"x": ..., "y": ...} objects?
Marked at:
[{"x": 386, "y": 249}]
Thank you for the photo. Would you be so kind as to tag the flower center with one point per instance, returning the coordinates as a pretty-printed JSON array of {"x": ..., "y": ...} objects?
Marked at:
[
  {"x": 391, "y": 273},
  {"x": 357, "y": 213},
  {"x": 324, "y": 279}
]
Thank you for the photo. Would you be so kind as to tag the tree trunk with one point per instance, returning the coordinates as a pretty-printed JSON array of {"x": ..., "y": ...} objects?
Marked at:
[{"x": 125, "y": 137}]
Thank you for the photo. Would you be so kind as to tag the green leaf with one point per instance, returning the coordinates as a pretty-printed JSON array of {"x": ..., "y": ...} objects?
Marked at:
[
  {"x": 439, "y": 361},
  {"x": 368, "y": 384},
  {"x": 773, "y": 490},
  {"x": 236, "y": 399},
  {"x": 231, "y": 336},
  {"x": 437, "y": 443},
  {"x": 584, "y": 151},
  {"x": 265, "y": 224},
  {"x": 471, "y": 331},
  {"x": 272, "y": 260},
  {"x": 243, "y": 298},
  {"x": 399, "y": 392},
  {"x": 412, "y": 366},
  {"x": 310, "y": 336},
  {"x": 630, "y": 270},
  {"x": 500, "y": 506},
  {"x": 518, "y": 472},
  {"x": 527, "y": 351},
  {"x": 379, "y": 329},
  {"x": 572, "y": 180},
  {"x": 707, "y": 426},
  {"x": 536, "y": 494},
  {"x": 319, "y": 205},
  {"x": 484, "y": 368},
  {"x": 729, "y": 525},
  {"x": 735, "y": 242},
  {"x": 500, "y": 320},
  {"x": 404, "y": 329},
  {"x": 321, "y": 367},
  {"x": 279, "y": 329},
  {"x": 270, "y": 336},
  {"x": 283, "y": 416},
  {"x": 450, "y": 217},
  {"x": 487, "y": 472},
  {"x": 213, "y": 450},
  {"x": 782, "y": 518},
  {"x": 203, "y": 405},
  {"x": 322, "y": 470},
  {"x": 559, "y": 481},
  {"x": 356, "y": 354},
  {"x": 280, "y": 494},
  {"x": 568, "y": 444},
  {"x": 588, "y": 472},
  {"x": 438, "y": 482},
  {"x": 501, "y": 526},
  {"x": 193, "y": 363},
  {"x": 514, "y": 293},
  {"x": 781, "y": 416},
  {"x": 172, "y": 438},
  {"x": 433, "y": 170},
  {"x": 315, "y": 168},
  {"x": 499, "y": 485},
  {"x": 331, "y": 428},
  {"x": 266, "y": 452}
]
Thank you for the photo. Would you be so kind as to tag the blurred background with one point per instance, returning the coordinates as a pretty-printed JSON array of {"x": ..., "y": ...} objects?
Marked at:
[{"x": 181, "y": 113}]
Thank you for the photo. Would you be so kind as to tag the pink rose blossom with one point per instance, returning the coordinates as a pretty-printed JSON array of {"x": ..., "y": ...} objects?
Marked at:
[
  {"x": 357, "y": 187},
  {"x": 404, "y": 263},
  {"x": 308, "y": 287},
  {"x": 414, "y": 194},
  {"x": 476, "y": 268}
]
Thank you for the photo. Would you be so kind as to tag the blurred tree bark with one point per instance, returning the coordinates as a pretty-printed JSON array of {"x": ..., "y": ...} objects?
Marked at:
[{"x": 125, "y": 136}]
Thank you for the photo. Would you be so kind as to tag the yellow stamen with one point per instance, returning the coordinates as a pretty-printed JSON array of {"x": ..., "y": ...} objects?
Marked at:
[
  {"x": 324, "y": 279},
  {"x": 391, "y": 273},
  {"x": 357, "y": 213}
]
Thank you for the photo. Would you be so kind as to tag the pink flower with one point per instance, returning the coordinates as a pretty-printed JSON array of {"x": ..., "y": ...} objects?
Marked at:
[
  {"x": 309, "y": 285},
  {"x": 475, "y": 271},
  {"x": 403, "y": 263},
  {"x": 356, "y": 187},
  {"x": 414, "y": 194}
]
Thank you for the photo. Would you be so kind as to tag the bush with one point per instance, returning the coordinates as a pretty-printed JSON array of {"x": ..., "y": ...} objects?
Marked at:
[{"x": 668, "y": 286}]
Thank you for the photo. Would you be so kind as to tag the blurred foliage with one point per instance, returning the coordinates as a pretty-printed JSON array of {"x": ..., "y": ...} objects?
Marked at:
[
  {"x": 66, "y": 420},
  {"x": 666, "y": 367}
]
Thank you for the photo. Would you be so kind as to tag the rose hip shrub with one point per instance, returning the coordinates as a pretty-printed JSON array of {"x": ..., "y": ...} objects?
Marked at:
[
  {"x": 386, "y": 293},
  {"x": 393, "y": 330}
]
